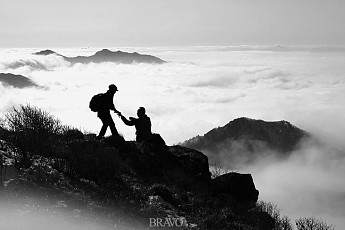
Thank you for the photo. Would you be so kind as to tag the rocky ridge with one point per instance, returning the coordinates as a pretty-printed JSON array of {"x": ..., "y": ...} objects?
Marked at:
[{"x": 166, "y": 182}]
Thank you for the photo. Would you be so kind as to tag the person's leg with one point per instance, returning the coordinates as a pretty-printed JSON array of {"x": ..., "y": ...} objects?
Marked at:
[
  {"x": 113, "y": 127},
  {"x": 108, "y": 121},
  {"x": 104, "y": 126}
]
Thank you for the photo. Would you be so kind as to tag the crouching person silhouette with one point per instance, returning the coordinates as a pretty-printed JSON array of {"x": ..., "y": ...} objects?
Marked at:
[
  {"x": 103, "y": 112},
  {"x": 142, "y": 125},
  {"x": 143, "y": 128}
]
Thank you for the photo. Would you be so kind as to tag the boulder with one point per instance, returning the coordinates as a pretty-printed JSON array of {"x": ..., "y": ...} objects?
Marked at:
[
  {"x": 177, "y": 165},
  {"x": 193, "y": 161},
  {"x": 235, "y": 186}
]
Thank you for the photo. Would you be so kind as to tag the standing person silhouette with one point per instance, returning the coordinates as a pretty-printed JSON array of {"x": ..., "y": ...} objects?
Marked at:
[{"x": 104, "y": 112}]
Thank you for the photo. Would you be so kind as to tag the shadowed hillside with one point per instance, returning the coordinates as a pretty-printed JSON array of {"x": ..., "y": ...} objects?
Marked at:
[
  {"x": 17, "y": 81},
  {"x": 246, "y": 139}
]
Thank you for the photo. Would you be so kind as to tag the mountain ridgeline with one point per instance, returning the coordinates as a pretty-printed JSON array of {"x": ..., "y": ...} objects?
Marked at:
[
  {"x": 106, "y": 55},
  {"x": 243, "y": 140}
]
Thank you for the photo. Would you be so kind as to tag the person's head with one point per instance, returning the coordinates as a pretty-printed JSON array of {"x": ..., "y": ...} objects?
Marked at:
[
  {"x": 113, "y": 88},
  {"x": 141, "y": 111}
]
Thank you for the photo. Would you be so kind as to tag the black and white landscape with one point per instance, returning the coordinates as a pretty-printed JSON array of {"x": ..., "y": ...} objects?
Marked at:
[
  {"x": 200, "y": 89},
  {"x": 258, "y": 88}
]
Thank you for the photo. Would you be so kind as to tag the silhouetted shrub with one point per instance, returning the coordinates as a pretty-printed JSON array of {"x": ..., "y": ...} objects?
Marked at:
[
  {"x": 33, "y": 130},
  {"x": 274, "y": 220},
  {"x": 36, "y": 132},
  {"x": 312, "y": 223},
  {"x": 32, "y": 119}
]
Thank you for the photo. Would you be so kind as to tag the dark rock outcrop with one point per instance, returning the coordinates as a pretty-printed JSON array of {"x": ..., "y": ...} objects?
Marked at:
[
  {"x": 149, "y": 163},
  {"x": 235, "y": 185},
  {"x": 17, "y": 81},
  {"x": 106, "y": 55},
  {"x": 190, "y": 169},
  {"x": 195, "y": 162},
  {"x": 176, "y": 163}
]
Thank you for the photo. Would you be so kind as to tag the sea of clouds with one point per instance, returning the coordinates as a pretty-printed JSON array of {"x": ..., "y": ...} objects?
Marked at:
[{"x": 201, "y": 88}]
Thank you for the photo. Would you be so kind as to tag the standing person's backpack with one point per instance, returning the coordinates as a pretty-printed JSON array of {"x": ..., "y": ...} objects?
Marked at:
[{"x": 96, "y": 102}]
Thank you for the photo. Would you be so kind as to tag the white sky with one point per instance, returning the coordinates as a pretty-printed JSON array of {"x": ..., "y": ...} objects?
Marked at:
[{"x": 78, "y": 23}]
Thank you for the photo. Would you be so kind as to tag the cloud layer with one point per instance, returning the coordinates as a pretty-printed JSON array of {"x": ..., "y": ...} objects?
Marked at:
[{"x": 309, "y": 183}]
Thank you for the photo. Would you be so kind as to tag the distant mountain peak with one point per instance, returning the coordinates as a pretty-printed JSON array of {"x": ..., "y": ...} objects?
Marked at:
[
  {"x": 105, "y": 52},
  {"x": 45, "y": 52},
  {"x": 264, "y": 124},
  {"x": 249, "y": 136}
]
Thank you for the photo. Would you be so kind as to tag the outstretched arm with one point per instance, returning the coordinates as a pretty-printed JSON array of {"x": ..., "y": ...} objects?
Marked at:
[
  {"x": 128, "y": 122},
  {"x": 114, "y": 109},
  {"x": 117, "y": 112}
]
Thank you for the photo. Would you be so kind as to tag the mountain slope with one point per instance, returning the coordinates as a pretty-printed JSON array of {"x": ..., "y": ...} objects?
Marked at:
[
  {"x": 17, "y": 81},
  {"x": 100, "y": 180},
  {"x": 247, "y": 139},
  {"x": 106, "y": 55}
]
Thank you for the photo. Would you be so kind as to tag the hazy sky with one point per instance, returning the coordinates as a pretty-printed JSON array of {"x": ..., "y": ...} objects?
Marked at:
[{"x": 78, "y": 23}]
